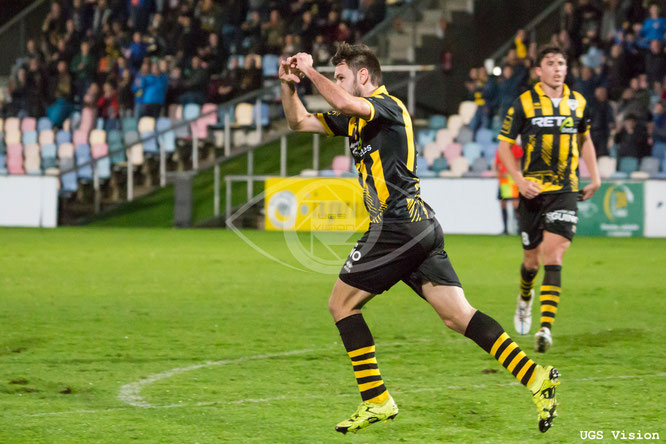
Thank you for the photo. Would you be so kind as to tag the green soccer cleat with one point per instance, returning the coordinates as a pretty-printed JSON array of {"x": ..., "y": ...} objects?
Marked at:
[
  {"x": 543, "y": 394},
  {"x": 368, "y": 413}
]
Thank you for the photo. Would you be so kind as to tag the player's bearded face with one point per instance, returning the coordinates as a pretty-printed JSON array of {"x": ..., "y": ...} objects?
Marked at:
[
  {"x": 347, "y": 79},
  {"x": 553, "y": 70}
]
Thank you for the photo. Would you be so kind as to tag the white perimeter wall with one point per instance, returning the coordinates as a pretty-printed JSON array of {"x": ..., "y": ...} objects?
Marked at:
[
  {"x": 655, "y": 209},
  {"x": 28, "y": 201},
  {"x": 465, "y": 206}
]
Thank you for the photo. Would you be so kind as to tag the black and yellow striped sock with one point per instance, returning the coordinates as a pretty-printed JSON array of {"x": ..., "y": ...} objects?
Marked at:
[
  {"x": 491, "y": 337},
  {"x": 360, "y": 347},
  {"x": 527, "y": 278},
  {"x": 550, "y": 294}
]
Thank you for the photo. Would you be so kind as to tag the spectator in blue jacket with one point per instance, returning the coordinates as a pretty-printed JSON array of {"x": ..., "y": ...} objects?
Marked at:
[
  {"x": 654, "y": 27},
  {"x": 137, "y": 50},
  {"x": 154, "y": 91}
]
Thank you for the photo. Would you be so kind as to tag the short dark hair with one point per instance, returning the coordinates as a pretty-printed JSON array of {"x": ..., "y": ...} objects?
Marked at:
[
  {"x": 356, "y": 57},
  {"x": 547, "y": 50}
]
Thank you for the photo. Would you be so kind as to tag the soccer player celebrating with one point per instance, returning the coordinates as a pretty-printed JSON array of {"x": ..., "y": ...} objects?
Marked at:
[
  {"x": 404, "y": 242},
  {"x": 554, "y": 125}
]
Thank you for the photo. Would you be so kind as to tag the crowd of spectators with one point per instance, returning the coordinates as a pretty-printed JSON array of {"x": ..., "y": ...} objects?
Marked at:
[
  {"x": 131, "y": 57},
  {"x": 616, "y": 60}
]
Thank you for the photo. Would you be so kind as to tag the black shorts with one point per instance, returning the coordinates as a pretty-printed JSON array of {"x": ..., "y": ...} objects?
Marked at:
[
  {"x": 411, "y": 252},
  {"x": 555, "y": 213}
]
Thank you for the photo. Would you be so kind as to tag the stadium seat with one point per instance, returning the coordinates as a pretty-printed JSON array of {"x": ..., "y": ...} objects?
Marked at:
[
  {"x": 67, "y": 125},
  {"x": 65, "y": 151},
  {"x": 437, "y": 122},
  {"x": 454, "y": 123},
  {"x": 88, "y": 119},
  {"x": 459, "y": 166},
  {"x": 341, "y": 164},
  {"x": 134, "y": 150},
  {"x": 74, "y": 121},
  {"x": 115, "y": 144},
  {"x": 607, "y": 166},
  {"x": 244, "y": 113},
  {"x": 44, "y": 123},
  {"x": 167, "y": 140},
  {"x": 3, "y": 163},
  {"x": 80, "y": 137},
  {"x": 431, "y": 152},
  {"x": 465, "y": 135},
  {"x": 466, "y": 110},
  {"x": 309, "y": 173},
  {"x": 265, "y": 115},
  {"x": 63, "y": 137},
  {"x": 15, "y": 159},
  {"x": 103, "y": 167},
  {"x": 32, "y": 159},
  {"x": 659, "y": 150},
  {"x": 12, "y": 137},
  {"x": 422, "y": 168},
  {"x": 443, "y": 137},
  {"x": 628, "y": 165},
  {"x": 97, "y": 137},
  {"x": 69, "y": 182},
  {"x": 489, "y": 173},
  {"x": 270, "y": 65},
  {"x": 209, "y": 117},
  {"x": 316, "y": 103},
  {"x": 452, "y": 151},
  {"x": 222, "y": 112},
  {"x": 29, "y": 137},
  {"x": 425, "y": 136},
  {"x": 129, "y": 124},
  {"x": 619, "y": 175},
  {"x": 489, "y": 150},
  {"x": 479, "y": 165},
  {"x": 146, "y": 123},
  {"x": 49, "y": 161},
  {"x": 2, "y": 124},
  {"x": 12, "y": 124},
  {"x": 28, "y": 124},
  {"x": 99, "y": 150},
  {"x": 82, "y": 154},
  {"x": 191, "y": 111},
  {"x": 650, "y": 165},
  {"x": 175, "y": 111},
  {"x": 472, "y": 151},
  {"x": 439, "y": 164},
  {"x": 327, "y": 173},
  {"x": 3, "y": 145},
  {"x": 150, "y": 145},
  {"x": 46, "y": 137},
  {"x": 100, "y": 123},
  {"x": 485, "y": 136}
]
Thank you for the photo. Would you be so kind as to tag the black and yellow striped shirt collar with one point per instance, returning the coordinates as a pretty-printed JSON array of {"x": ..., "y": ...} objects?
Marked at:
[{"x": 565, "y": 93}]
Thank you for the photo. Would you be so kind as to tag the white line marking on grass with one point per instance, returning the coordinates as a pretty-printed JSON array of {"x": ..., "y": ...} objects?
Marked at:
[
  {"x": 131, "y": 393},
  {"x": 343, "y": 395}
]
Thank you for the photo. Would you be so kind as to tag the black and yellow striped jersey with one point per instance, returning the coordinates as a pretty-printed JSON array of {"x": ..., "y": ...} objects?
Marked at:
[
  {"x": 385, "y": 155},
  {"x": 549, "y": 134}
]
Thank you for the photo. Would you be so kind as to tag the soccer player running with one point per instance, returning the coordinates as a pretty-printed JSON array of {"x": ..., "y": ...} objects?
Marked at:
[
  {"x": 404, "y": 241},
  {"x": 554, "y": 126}
]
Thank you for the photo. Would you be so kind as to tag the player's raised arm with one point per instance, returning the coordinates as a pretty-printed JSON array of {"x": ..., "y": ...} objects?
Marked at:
[
  {"x": 298, "y": 117},
  {"x": 334, "y": 94}
]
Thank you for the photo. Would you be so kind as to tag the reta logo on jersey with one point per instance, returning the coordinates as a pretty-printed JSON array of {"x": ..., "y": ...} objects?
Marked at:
[{"x": 566, "y": 124}]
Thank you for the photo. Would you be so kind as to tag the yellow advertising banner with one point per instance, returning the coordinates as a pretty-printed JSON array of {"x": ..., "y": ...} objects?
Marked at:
[{"x": 308, "y": 204}]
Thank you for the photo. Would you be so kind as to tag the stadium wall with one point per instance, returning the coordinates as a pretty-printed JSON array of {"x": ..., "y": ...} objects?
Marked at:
[{"x": 27, "y": 201}]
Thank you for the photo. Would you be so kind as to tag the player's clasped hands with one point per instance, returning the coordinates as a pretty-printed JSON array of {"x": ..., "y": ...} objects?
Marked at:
[{"x": 292, "y": 69}]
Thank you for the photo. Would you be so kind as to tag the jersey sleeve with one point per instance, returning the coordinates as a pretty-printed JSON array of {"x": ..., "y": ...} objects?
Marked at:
[
  {"x": 513, "y": 122},
  {"x": 384, "y": 108},
  {"x": 585, "y": 122},
  {"x": 335, "y": 123}
]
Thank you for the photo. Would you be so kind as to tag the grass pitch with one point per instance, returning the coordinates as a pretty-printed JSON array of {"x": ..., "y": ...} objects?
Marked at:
[{"x": 159, "y": 335}]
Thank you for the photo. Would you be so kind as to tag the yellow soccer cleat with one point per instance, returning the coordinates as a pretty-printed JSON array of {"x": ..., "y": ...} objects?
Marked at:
[
  {"x": 543, "y": 394},
  {"x": 368, "y": 413}
]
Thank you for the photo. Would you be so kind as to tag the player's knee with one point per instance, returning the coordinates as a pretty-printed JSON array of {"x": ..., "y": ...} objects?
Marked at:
[{"x": 531, "y": 262}]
